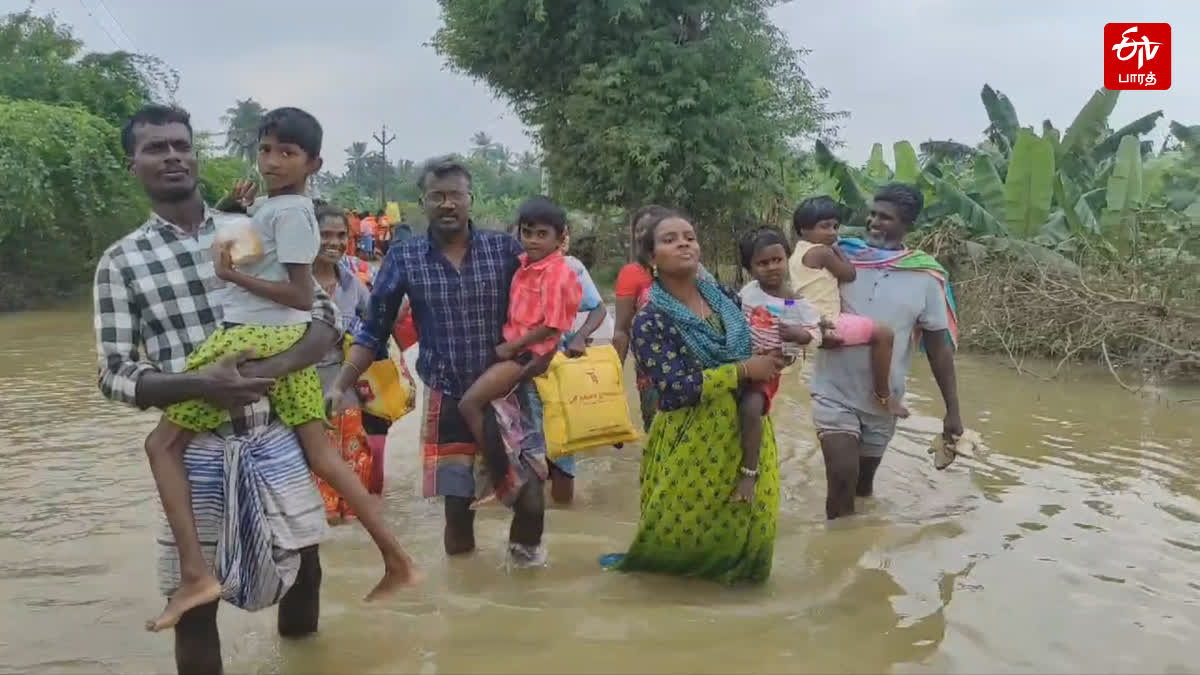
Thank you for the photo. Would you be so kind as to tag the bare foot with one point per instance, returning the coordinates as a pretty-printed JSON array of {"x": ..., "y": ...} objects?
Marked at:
[
  {"x": 188, "y": 596},
  {"x": 398, "y": 573}
]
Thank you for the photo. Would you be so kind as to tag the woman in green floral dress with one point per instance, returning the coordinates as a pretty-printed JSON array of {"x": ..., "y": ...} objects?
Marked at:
[{"x": 706, "y": 509}]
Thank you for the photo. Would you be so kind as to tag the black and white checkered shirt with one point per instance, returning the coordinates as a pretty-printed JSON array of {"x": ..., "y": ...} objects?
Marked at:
[{"x": 154, "y": 305}]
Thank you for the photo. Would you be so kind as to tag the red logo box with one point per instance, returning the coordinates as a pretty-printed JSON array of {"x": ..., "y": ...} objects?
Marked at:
[{"x": 1137, "y": 56}]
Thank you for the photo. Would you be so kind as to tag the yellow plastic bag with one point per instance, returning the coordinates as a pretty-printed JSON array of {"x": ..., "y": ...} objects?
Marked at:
[
  {"x": 386, "y": 388},
  {"x": 393, "y": 212},
  {"x": 583, "y": 402}
]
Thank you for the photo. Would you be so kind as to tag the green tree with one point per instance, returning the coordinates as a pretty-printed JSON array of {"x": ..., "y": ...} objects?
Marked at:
[
  {"x": 218, "y": 174},
  {"x": 64, "y": 197},
  {"x": 40, "y": 60},
  {"x": 687, "y": 103},
  {"x": 355, "y": 155},
  {"x": 64, "y": 192},
  {"x": 241, "y": 122}
]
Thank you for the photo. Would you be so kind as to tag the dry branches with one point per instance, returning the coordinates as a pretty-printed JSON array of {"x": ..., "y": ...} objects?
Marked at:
[{"x": 1017, "y": 307}]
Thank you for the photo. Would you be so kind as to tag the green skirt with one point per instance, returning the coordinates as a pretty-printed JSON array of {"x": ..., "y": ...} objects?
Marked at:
[{"x": 688, "y": 525}]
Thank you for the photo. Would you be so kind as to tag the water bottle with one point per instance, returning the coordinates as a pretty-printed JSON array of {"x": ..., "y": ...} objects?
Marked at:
[
  {"x": 797, "y": 314},
  {"x": 791, "y": 317}
]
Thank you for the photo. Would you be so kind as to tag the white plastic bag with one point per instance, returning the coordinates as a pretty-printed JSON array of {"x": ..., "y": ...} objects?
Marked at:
[{"x": 238, "y": 231}]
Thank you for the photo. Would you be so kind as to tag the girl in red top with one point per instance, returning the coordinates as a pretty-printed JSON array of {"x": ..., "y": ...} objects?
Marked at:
[
  {"x": 543, "y": 299},
  {"x": 632, "y": 289}
]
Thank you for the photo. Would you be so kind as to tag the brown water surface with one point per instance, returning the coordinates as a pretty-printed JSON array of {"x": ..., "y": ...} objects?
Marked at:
[{"x": 1071, "y": 546}]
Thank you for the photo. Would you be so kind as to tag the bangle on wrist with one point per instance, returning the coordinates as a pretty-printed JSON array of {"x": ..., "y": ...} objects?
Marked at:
[
  {"x": 749, "y": 473},
  {"x": 743, "y": 372}
]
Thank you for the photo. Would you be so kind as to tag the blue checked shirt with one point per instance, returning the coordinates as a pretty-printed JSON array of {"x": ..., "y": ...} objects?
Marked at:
[{"x": 458, "y": 312}]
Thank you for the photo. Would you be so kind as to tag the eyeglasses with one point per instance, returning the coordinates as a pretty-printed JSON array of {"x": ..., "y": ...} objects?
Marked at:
[{"x": 440, "y": 197}]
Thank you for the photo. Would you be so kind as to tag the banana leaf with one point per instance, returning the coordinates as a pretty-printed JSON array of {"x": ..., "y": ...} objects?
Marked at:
[
  {"x": 1054, "y": 232},
  {"x": 877, "y": 169},
  {"x": 1188, "y": 135},
  {"x": 1003, "y": 117},
  {"x": 1125, "y": 183},
  {"x": 1029, "y": 188},
  {"x": 977, "y": 219},
  {"x": 989, "y": 186},
  {"x": 1076, "y": 211},
  {"x": 1051, "y": 134},
  {"x": 1139, "y": 127},
  {"x": 908, "y": 169},
  {"x": 1090, "y": 123},
  {"x": 951, "y": 150},
  {"x": 1118, "y": 222},
  {"x": 849, "y": 191}
]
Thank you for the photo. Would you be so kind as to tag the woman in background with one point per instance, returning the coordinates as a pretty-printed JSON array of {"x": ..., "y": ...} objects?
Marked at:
[
  {"x": 632, "y": 289},
  {"x": 357, "y": 435}
]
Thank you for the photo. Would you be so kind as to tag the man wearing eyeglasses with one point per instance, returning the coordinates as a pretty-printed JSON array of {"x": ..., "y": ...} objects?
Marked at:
[{"x": 456, "y": 279}]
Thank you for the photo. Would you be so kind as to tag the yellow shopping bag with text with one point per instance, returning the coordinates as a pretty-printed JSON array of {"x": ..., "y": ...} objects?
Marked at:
[
  {"x": 583, "y": 402},
  {"x": 386, "y": 388}
]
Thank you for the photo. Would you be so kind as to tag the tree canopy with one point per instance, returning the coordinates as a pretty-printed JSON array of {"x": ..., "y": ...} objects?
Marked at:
[
  {"x": 64, "y": 192},
  {"x": 695, "y": 104}
]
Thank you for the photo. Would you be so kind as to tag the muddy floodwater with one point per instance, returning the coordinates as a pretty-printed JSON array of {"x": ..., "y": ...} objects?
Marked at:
[{"x": 1072, "y": 545}]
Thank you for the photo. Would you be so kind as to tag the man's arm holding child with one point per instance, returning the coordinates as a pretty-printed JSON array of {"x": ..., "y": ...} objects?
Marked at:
[{"x": 125, "y": 377}]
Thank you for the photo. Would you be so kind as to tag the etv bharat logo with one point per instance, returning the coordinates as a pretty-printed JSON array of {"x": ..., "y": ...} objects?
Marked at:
[{"x": 1137, "y": 56}]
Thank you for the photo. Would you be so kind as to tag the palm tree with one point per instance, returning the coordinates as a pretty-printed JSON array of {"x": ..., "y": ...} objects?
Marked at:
[
  {"x": 483, "y": 144},
  {"x": 356, "y": 155},
  {"x": 501, "y": 156},
  {"x": 241, "y": 128},
  {"x": 528, "y": 161}
]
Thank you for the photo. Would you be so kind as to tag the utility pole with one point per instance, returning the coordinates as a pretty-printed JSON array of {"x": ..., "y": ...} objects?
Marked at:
[{"x": 383, "y": 140}]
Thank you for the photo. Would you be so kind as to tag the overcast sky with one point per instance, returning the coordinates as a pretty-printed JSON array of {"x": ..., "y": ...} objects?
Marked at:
[{"x": 904, "y": 69}]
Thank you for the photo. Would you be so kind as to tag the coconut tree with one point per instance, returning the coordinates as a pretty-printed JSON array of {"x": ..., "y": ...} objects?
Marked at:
[
  {"x": 356, "y": 155},
  {"x": 241, "y": 128}
]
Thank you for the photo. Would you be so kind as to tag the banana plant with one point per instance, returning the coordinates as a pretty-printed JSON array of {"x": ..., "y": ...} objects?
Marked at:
[
  {"x": 978, "y": 220},
  {"x": 989, "y": 186},
  {"x": 847, "y": 185},
  {"x": 1029, "y": 186},
  {"x": 1090, "y": 123},
  {"x": 1002, "y": 130},
  {"x": 877, "y": 169},
  {"x": 1118, "y": 222},
  {"x": 908, "y": 167}
]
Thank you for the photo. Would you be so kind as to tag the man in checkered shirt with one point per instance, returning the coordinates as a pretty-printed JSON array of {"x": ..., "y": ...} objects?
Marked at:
[{"x": 153, "y": 306}]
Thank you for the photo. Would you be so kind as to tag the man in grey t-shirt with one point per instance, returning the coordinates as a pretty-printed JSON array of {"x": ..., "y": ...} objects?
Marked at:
[{"x": 853, "y": 431}]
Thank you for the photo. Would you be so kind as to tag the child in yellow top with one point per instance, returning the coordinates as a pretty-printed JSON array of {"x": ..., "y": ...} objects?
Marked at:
[{"x": 816, "y": 268}]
